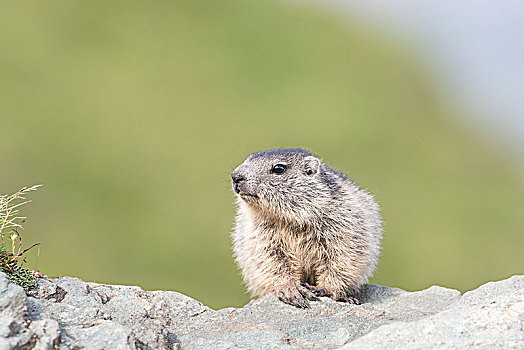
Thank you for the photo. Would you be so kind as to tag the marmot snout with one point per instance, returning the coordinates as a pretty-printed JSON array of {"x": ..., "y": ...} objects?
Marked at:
[{"x": 303, "y": 230}]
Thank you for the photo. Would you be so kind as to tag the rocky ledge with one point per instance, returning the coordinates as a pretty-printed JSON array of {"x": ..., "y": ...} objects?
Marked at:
[{"x": 68, "y": 313}]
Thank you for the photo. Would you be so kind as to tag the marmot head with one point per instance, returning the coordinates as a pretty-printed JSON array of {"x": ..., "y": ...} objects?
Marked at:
[{"x": 285, "y": 183}]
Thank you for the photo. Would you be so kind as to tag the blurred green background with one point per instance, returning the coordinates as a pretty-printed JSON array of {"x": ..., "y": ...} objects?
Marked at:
[{"x": 132, "y": 114}]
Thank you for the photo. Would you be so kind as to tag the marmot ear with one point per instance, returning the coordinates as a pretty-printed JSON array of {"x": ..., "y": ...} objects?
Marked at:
[{"x": 311, "y": 165}]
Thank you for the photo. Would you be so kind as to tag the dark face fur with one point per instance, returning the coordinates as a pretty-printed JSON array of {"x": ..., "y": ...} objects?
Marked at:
[{"x": 282, "y": 182}]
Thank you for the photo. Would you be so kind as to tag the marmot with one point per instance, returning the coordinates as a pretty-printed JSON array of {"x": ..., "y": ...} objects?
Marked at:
[{"x": 303, "y": 230}]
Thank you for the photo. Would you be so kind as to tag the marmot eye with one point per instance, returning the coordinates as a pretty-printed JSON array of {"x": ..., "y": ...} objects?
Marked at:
[{"x": 279, "y": 169}]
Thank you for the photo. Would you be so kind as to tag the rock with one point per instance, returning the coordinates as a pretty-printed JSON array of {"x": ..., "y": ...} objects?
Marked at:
[
  {"x": 12, "y": 299},
  {"x": 47, "y": 333},
  {"x": 490, "y": 317},
  {"x": 69, "y": 313},
  {"x": 100, "y": 335}
]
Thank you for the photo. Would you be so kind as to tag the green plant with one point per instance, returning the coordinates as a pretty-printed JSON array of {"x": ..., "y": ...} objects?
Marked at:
[{"x": 11, "y": 262}]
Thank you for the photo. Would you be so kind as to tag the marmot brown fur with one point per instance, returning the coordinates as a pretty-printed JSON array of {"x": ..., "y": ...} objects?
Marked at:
[{"x": 303, "y": 230}]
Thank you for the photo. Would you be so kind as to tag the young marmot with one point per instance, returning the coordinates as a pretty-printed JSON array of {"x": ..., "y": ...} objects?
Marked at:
[{"x": 303, "y": 230}]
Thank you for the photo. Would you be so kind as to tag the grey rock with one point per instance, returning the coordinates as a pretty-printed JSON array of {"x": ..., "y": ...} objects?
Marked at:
[
  {"x": 490, "y": 317},
  {"x": 68, "y": 313},
  {"x": 47, "y": 333},
  {"x": 12, "y": 299},
  {"x": 100, "y": 335},
  {"x": 8, "y": 326}
]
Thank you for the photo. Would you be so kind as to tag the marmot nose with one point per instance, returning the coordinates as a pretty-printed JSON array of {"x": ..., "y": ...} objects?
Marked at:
[{"x": 237, "y": 178}]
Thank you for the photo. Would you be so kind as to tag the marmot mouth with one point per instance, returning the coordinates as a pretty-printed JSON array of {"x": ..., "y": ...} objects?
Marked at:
[
  {"x": 243, "y": 194},
  {"x": 247, "y": 195}
]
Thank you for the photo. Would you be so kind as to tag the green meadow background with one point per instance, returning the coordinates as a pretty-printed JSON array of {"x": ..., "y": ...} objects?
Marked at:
[{"x": 133, "y": 114}]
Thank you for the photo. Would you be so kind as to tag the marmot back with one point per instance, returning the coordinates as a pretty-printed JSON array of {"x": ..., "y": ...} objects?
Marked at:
[{"x": 303, "y": 230}]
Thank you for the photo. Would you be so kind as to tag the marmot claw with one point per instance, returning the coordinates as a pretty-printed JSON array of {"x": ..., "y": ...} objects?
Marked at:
[
  {"x": 293, "y": 296},
  {"x": 317, "y": 292}
]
